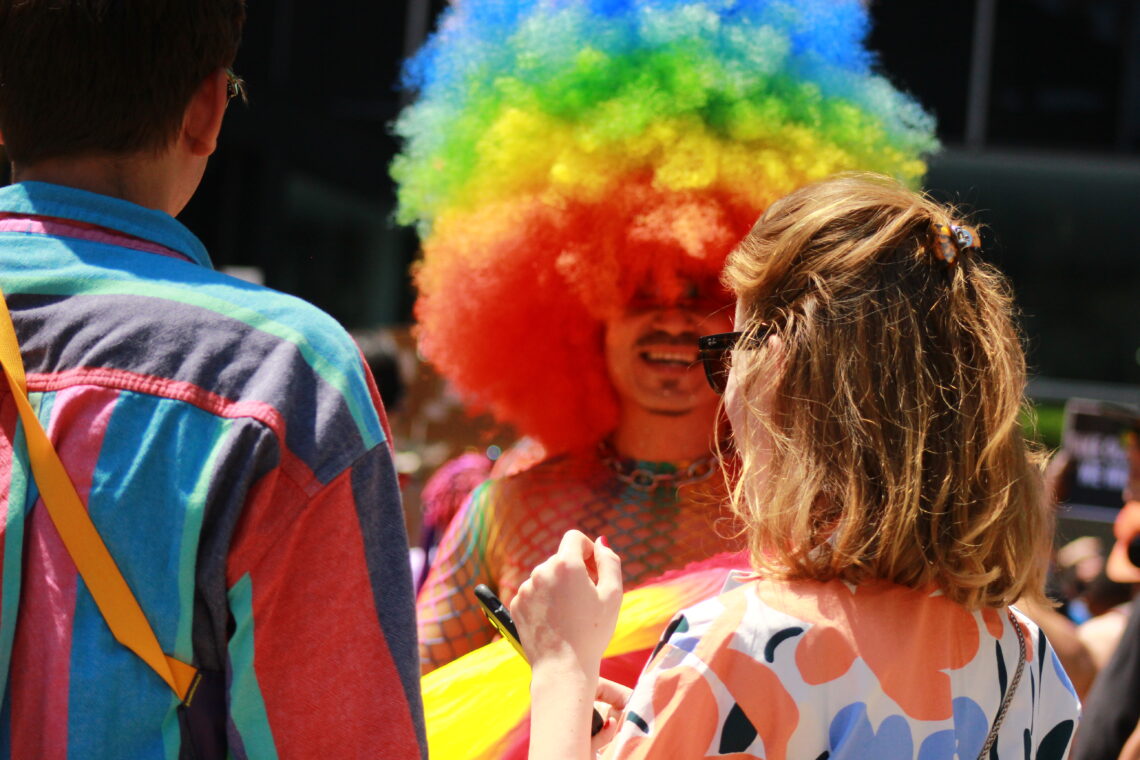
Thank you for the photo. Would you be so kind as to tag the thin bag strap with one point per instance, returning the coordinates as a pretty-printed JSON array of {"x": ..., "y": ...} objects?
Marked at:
[
  {"x": 95, "y": 565},
  {"x": 1004, "y": 708}
]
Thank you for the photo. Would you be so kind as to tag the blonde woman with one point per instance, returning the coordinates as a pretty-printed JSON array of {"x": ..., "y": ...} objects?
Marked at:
[{"x": 894, "y": 513}]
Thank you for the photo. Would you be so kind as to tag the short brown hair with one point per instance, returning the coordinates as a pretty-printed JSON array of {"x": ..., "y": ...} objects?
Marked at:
[
  {"x": 94, "y": 77},
  {"x": 896, "y": 451}
]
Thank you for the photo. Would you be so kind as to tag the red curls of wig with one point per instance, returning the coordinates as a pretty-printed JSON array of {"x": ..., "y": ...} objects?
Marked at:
[{"x": 514, "y": 297}]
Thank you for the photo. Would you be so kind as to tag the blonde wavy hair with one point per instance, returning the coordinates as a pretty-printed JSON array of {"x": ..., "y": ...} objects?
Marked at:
[{"x": 893, "y": 448}]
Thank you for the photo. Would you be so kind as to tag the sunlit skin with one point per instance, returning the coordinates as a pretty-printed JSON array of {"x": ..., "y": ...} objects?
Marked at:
[
  {"x": 667, "y": 410},
  {"x": 165, "y": 180},
  {"x": 764, "y": 402},
  {"x": 733, "y": 406}
]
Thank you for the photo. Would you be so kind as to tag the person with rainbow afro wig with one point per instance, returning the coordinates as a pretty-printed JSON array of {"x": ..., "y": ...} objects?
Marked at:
[{"x": 578, "y": 171}]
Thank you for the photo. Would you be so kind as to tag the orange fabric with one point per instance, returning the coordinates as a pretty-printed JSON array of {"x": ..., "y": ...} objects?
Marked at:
[
  {"x": 685, "y": 711},
  {"x": 993, "y": 622},
  {"x": 825, "y": 655},
  {"x": 754, "y": 645},
  {"x": 762, "y": 697},
  {"x": 879, "y": 635},
  {"x": 685, "y": 727}
]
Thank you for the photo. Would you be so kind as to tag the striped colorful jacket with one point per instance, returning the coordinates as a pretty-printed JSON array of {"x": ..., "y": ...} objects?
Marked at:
[{"x": 232, "y": 451}]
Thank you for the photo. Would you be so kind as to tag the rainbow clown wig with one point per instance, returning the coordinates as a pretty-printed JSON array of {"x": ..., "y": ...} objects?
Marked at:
[{"x": 565, "y": 155}]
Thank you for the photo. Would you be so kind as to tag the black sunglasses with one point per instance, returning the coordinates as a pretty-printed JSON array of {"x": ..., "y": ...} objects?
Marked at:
[{"x": 712, "y": 352}]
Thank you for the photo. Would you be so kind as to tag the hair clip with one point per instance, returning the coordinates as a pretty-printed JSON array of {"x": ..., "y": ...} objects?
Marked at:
[{"x": 950, "y": 240}]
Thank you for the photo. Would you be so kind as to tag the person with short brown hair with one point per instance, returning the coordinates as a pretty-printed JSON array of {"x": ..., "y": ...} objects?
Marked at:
[
  {"x": 226, "y": 440},
  {"x": 106, "y": 78}
]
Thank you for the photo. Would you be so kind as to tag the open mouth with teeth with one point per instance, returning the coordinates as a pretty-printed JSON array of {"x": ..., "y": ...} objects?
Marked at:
[{"x": 672, "y": 358}]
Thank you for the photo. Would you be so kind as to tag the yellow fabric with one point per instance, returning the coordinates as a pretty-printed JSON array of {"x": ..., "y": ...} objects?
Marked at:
[
  {"x": 96, "y": 566},
  {"x": 472, "y": 704}
]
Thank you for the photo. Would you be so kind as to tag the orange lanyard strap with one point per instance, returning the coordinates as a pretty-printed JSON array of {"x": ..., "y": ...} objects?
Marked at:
[{"x": 96, "y": 566}]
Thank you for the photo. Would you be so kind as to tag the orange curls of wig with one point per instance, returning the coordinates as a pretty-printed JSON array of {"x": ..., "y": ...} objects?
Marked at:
[{"x": 512, "y": 310}]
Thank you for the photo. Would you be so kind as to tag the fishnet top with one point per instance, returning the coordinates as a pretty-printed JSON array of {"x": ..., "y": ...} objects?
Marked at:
[{"x": 510, "y": 525}]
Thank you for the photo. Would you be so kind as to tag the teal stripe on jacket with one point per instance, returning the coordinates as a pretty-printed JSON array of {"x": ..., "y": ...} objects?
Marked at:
[
  {"x": 151, "y": 547},
  {"x": 248, "y": 711}
]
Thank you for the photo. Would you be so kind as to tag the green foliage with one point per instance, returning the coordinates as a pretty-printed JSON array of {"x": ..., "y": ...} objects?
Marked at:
[{"x": 1042, "y": 423}]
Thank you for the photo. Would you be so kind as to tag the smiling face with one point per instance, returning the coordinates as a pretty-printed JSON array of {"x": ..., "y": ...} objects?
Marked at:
[{"x": 651, "y": 354}]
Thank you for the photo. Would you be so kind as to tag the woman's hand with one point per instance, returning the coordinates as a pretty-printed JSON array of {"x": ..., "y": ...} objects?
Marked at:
[
  {"x": 567, "y": 610},
  {"x": 566, "y": 613}
]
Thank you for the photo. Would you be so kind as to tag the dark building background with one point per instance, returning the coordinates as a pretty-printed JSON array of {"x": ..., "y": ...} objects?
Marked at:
[
  {"x": 1038, "y": 106},
  {"x": 299, "y": 187}
]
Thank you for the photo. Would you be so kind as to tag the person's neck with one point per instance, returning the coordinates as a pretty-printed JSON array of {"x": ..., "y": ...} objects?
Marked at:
[
  {"x": 653, "y": 437},
  {"x": 143, "y": 180}
]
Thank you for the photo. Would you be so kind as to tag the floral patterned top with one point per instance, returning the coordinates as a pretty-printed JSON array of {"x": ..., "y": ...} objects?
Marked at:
[{"x": 809, "y": 670}]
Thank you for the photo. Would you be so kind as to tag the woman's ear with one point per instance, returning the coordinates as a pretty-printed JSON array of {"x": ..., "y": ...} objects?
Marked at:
[{"x": 203, "y": 119}]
